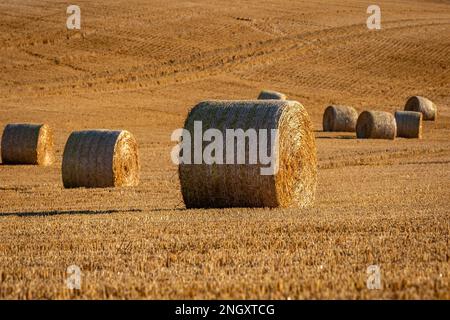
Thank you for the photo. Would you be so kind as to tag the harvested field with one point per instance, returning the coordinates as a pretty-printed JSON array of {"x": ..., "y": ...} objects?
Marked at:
[{"x": 378, "y": 202}]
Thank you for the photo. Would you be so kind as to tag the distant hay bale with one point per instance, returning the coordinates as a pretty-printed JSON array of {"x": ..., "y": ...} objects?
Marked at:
[
  {"x": 409, "y": 124},
  {"x": 100, "y": 159},
  {"x": 340, "y": 118},
  {"x": 27, "y": 144},
  {"x": 242, "y": 185},
  {"x": 271, "y": 95},
  {"x": 423, "y": 105},
  {"x": 376, "y": 125}
]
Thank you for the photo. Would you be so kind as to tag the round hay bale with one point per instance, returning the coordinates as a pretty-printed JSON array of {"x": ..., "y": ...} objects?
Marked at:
[
  {"x": 27, "y": 144},
  {"x": 340, "y": 118},
  {"x": 423, "y": 105},
  {"x": 271, "y": 95},
  {"x": 243, "y": 185},
  {"x": 376, "y": 125},
  {"x": 409, "y": 124},
  {"x": 100, "y": 159}
]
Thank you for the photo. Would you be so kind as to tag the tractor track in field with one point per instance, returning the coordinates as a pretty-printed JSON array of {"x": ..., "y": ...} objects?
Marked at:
[
  {"x": 234, "y": 59},
  {"x": 378, "y": 158}
]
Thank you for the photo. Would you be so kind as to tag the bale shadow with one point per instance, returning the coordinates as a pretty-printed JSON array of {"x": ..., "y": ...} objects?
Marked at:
[
  {"x": 337, "y": 137},
  {"x": 19, "y": 165},
  {"x": 167, "y": 209},
  {"x": 19, "y": 188},
  {"x": 63, "y": 212}
]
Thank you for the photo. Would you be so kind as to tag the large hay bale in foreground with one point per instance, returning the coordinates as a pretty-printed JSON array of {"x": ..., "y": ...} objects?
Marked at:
[
  {"x": 100, "y": 159},
  {"x": 340, "y": 118},
  {"x": 376, "y": 125},
  {"x": 271, "y": 95},
  {"x": 242, "y": 185},
  {"x": 27, "y": 144},
  {"x": 409, "y": 124},
  {"x": 423, "y": 105}
]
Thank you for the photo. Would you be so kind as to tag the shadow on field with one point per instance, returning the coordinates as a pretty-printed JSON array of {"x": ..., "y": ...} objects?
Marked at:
[
  {"x": 167, "y": 209},
  {"x": 337, "y": 137},
  {"x": 61, "y": 212}
]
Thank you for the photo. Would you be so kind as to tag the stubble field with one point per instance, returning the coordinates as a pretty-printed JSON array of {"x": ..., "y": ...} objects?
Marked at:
[{"x": 141, "y": 65}]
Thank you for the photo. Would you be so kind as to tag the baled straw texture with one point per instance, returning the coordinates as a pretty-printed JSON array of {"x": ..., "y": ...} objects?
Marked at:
[
  {"x": 423, "y": 105},
  {"x": 27, "y": 144},
  {"x": 340, "y": 118},
  {"x": 409, "y": 124},
  {"x": 271, "y": 95},
  {"x": 242, "y": 185},
  {"x": 376, "y": 125},
  {"x": 100, "y": 159}
]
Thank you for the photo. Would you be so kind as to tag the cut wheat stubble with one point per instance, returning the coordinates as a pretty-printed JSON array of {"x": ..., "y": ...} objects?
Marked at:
[
  {"x": 376, "y": 125},
  {"x": 340, "y": 118},
  {"x": 242, "y": 185},
  {"x": 24, "y": 143},
  {"x": 100, "y": 159}
]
